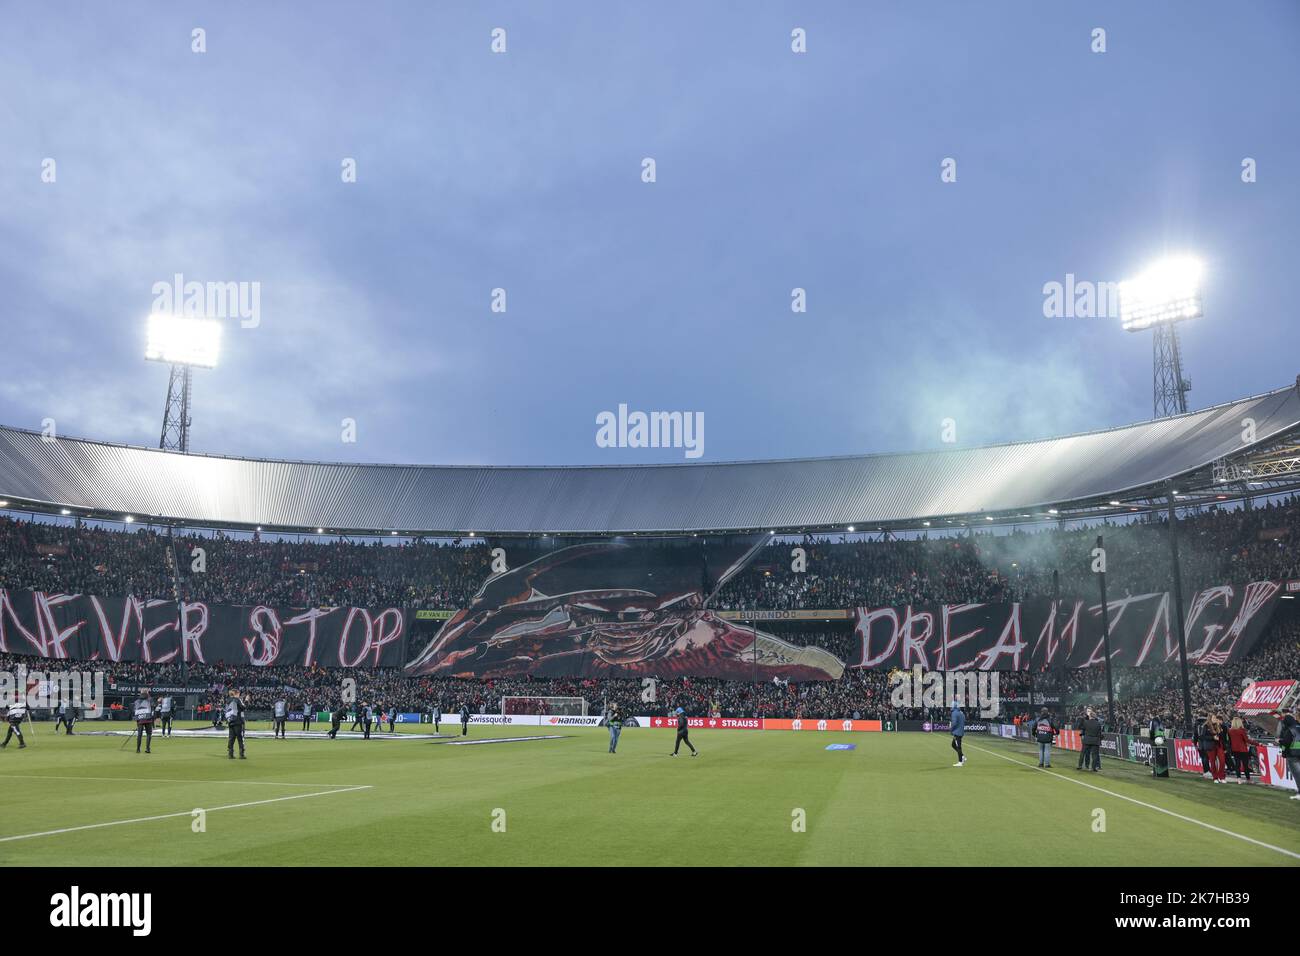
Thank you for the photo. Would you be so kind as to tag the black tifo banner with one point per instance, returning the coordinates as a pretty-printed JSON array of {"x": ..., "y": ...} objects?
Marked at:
[
  {"x": 612, "y": 608},
  {"x": 82, "y": 627},
  {"x": 630, "y": 631},
  {"x": 1222, "y": 625}
]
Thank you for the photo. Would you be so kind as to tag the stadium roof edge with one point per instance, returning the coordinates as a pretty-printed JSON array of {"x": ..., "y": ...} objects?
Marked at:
[
  {"x": 658, "y": 464},
  {"x": 894, "y": 489}
]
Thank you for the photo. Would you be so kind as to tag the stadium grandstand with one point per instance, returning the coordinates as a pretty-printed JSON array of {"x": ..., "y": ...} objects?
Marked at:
[{"x": 1004, "y": 526}]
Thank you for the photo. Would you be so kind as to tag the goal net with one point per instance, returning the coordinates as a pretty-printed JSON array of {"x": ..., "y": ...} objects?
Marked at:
[{"x": 555, "y": 706}]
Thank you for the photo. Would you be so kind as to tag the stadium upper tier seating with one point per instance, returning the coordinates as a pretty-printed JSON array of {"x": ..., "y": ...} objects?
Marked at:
[{"x": 1216, "y": 546}]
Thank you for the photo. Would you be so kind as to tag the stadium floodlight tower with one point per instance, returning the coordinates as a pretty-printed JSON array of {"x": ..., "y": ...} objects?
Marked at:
[
  {"x": 1167, "y": 293},
  {"x": 184, "y": 343}
]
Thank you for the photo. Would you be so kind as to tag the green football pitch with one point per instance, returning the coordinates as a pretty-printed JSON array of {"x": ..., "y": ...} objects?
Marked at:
[{"x": 751, "y": 798}]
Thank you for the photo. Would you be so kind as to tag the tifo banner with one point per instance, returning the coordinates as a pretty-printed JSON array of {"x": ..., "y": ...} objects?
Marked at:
[
  {"x": 1223, "y": 624},
  {"x": 1264, "y": 696},
  {"x": 614, "y": 609},
  {"x": 82, "y": 627}
]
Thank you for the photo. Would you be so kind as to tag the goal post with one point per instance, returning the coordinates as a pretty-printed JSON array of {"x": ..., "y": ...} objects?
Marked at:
[{"x": 544, "y": 706}]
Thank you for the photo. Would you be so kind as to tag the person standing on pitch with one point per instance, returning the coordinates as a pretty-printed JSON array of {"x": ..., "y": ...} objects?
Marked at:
[
  {"x": 367, "y": 718},
  {"x": 144, "y": 722},
  {"x": 1090, "y": 732},
  {"x": 336, "y": 721},
  {"x": 392, "y": 720},
  {"x": 957, "y": 727},
  {"x": 356, "y": 717},
  {"x": 306, "y": 715},
  {"x": 1212, "y": 745},
  {"x": 615, "y": 727},
  {"x": 1044, "y": 733},
  {"x": 67, "y": 716},
  {"x": 1288, "y": 741},
  {"x": 235, "y": 721},
  {"x": 464, "y": 720},
  {"x": 684, "y": 733},
  {"x": 16, "y": 714},
  {"x": 280, "y": 712},
  {"x": 437, "y": 717},
  {"x": 1240, "y": 743},
  {"x": 166, "y": 708}
]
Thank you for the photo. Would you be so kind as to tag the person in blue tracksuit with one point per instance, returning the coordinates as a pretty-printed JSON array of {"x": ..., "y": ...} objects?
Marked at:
[{"x": 958, "y": 729}]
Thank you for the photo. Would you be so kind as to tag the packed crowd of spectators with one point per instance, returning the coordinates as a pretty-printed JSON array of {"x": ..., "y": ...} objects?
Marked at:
[
  {"x": 41, "y": 556},
  {"x": 1217, "y": 546}
]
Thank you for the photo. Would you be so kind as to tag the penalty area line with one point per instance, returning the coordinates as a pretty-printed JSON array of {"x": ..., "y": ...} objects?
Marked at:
[
  {"x": 181, "y": 813},
  {"x": 1143, "y": 803}
]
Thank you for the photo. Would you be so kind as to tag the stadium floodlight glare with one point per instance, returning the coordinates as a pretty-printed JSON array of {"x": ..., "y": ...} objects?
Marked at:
[
  {"x": 1168, "y": 291},
  {"x": 177, "y": 340}
]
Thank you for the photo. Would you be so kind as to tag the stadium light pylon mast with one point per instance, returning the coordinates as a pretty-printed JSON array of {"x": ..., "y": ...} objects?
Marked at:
[
  {"x": 176, "y": 411},
  {"x": 1169, "y": 387},
  {"x": 1168, "y": 292},
  {"x": 184, "y": 343}
]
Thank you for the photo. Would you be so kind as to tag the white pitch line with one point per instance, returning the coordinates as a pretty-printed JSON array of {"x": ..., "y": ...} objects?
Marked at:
[
  {"x": 1141, "y": 803},
  {"x": 182, "y": 813},
  {"x": 250, "y": 783}
]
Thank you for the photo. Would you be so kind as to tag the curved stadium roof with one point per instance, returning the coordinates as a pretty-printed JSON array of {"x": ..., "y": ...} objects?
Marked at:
[{"x": 796, "y": 494}]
